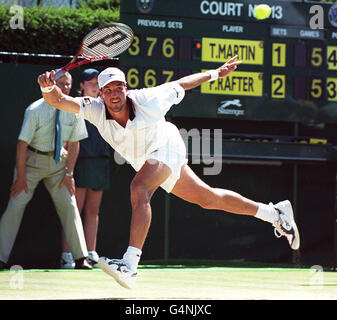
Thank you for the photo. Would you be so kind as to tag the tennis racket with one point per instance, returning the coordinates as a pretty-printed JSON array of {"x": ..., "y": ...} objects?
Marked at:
[{"x": 104, "y": 42}]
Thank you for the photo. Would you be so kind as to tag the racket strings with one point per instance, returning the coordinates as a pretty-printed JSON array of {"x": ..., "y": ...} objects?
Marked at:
[{"x": 107, "y": 41}]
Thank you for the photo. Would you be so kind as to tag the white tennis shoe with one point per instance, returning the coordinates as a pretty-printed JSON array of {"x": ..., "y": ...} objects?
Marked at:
[
  {"x": 67, "y": 261},
  {"x": 93, "y": 259},
  {"x": 119, "y": 270},
  {"x": 286, "y": 225}
]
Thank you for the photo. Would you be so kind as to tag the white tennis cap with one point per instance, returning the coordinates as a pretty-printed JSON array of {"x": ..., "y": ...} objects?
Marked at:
[{"x": 110, "y": 74}]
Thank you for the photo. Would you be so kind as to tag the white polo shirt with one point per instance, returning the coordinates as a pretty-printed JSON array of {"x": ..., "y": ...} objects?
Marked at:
[{"x": 148, "y": 131}]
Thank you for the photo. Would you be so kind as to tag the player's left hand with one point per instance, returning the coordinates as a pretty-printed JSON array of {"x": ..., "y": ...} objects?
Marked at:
[
  {"x": 69, "y": 182},
  {"x": 229, "y": 66}
]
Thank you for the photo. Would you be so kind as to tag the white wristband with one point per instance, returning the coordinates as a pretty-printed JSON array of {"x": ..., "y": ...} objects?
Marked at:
[
  {"x": 47, "y": 89},
  {"x": 214, "y": 74}
]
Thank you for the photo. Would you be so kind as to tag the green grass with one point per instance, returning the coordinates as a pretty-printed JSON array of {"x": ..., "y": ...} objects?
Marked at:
[{"x": 175, "y": 282}]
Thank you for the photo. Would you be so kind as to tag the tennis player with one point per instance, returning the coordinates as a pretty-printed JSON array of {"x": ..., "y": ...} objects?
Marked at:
[{"x": 133, "y": 123}]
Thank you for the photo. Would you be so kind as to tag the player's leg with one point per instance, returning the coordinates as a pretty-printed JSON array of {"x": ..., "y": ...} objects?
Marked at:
[
  {"x": 145, "y": 183},
  {"x": 191, "y": 188}
]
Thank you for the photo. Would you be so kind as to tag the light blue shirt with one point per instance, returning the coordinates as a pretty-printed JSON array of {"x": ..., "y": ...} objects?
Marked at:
[{"x": 38, "y": 128}]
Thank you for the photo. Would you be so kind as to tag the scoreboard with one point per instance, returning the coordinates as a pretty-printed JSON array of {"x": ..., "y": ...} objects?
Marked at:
[{"x": 289, "y": 60}]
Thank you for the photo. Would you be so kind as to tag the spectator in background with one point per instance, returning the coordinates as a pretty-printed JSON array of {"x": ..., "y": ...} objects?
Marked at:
[
  {"x": 92, "y": 176},
  {"x": 41, "y": 156}
]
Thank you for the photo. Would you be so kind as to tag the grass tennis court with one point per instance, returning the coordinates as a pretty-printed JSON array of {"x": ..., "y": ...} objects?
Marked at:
[{"x": 173, "y": 282}]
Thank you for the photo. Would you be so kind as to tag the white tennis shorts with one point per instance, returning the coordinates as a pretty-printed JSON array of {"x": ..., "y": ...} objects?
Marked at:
[{"x": 173, "y": 154}]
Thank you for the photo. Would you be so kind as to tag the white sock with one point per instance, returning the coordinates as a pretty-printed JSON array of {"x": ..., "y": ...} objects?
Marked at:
[
  {"x": 267, "y": 213},
  {"x": 132, "y": 256}
]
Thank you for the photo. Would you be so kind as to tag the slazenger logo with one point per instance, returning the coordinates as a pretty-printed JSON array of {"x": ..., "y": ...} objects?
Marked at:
[
  {"x": 223, "y": 109},
  {"x": 145, "y": 6}
]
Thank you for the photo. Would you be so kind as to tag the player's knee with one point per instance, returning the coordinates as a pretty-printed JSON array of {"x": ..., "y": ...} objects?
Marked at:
[
  {"x": 139, "y": 193},
  {"x": 206, "y": 203},
  {"x": 208, "y": 200}
]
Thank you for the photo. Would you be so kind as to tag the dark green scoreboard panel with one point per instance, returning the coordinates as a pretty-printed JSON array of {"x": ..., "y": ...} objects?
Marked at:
[{"x": 289, "y": 70}]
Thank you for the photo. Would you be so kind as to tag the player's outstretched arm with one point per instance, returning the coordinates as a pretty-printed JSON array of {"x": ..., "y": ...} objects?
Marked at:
[
  {"x": 196, "y": 79},
  {"x": 53, "y": 95}
]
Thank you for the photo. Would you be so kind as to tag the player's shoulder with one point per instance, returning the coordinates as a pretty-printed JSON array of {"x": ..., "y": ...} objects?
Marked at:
[
  {"x": 145, "y": 95},
  {"x": 140, "y": 95}
]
